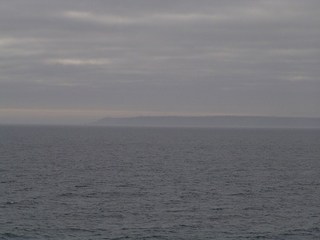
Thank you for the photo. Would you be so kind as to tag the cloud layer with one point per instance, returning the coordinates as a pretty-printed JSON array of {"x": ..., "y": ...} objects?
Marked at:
[{"x": 156, "y": 57}]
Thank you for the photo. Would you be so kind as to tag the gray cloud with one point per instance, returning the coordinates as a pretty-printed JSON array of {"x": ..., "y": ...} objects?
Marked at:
[{"x": 159, "y": 57}]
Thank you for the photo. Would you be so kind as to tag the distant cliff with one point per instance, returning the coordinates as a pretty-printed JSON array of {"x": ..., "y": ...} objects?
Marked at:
[{"x": 212, "y": 121}]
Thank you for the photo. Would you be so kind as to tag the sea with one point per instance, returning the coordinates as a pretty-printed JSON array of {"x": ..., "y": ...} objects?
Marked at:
[{"x": 88, "y": 182}]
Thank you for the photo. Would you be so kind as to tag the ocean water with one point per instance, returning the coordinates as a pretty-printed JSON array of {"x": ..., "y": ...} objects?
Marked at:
[{"x": 159, "y": 183}]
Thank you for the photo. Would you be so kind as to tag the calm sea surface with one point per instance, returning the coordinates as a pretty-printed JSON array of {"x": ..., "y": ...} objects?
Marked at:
[{"x": 159, "y": 183}]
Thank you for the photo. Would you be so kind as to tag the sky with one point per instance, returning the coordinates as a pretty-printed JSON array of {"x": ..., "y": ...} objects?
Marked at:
[{"x": 74, "y": 61}]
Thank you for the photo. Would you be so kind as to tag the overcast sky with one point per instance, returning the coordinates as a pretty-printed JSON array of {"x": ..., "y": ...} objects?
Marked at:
[{"x": 67, "y": 61}]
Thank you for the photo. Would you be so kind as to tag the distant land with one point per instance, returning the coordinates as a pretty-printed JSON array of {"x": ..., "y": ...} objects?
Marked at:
[{"x": 212, "y": 121}]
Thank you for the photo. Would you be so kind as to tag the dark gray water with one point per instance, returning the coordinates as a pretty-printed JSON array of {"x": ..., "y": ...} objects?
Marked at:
[{"x": 149, "y": 183}]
